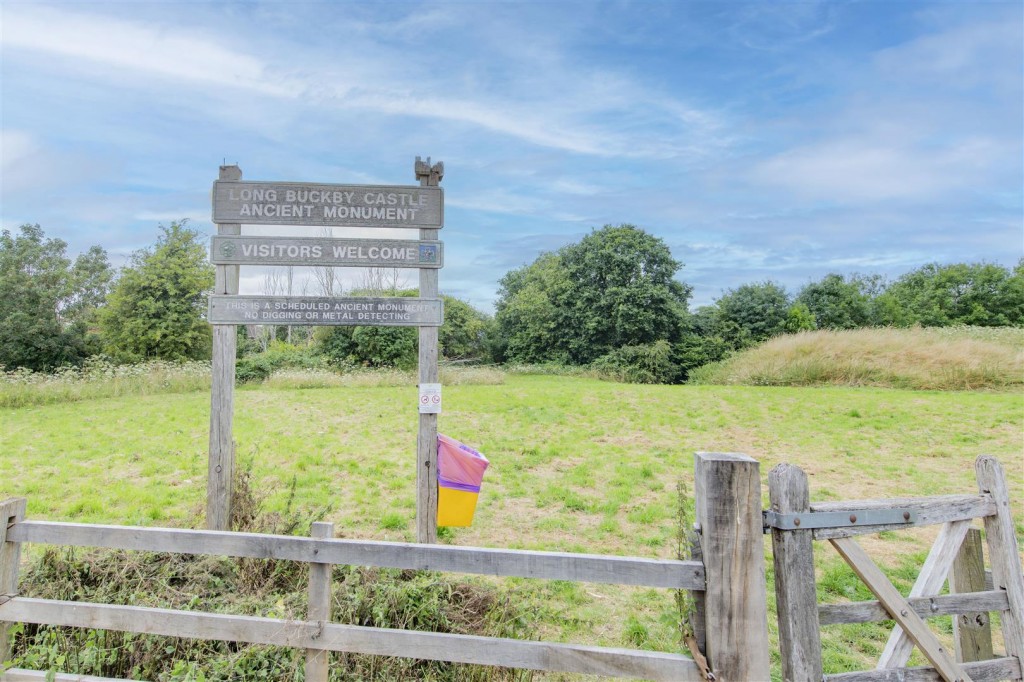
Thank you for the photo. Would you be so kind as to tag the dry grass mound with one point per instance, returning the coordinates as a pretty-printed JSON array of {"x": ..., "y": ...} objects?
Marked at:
[{"x": 950, "y": 359}]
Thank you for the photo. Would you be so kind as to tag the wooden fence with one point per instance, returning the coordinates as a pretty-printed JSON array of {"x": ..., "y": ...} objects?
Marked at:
[
  {"x": 731, "y": 579},
  {"x": 728, "y": 578},
  {"x": 956, "y": 555}
]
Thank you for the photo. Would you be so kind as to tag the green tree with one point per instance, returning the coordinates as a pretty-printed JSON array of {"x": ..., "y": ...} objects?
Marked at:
[
  {"x": 529, "y": 317},
  {"x": 934, "y": 295},
  {"x": 464, "y": 334},
  {"x": 837, "y": 302},
  {"x": 47, "y": 303},
  {"x": 799, "y": 318},
  {"x": 157, "y": 308},
  {"x": 752, "y": 313},
  {"x": 612, "y": 289}
]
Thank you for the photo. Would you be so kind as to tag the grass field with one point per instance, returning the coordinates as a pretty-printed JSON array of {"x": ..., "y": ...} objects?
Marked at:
[{"x": 577, "y": 465}]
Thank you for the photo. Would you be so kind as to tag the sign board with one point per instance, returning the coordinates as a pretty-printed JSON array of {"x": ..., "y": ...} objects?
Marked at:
[
  {"x": 389, "y": 253},
  {"x": 296, "y": 203},
  {"x": 430, "y": 399},
  {"x": 322, "y": 312}
]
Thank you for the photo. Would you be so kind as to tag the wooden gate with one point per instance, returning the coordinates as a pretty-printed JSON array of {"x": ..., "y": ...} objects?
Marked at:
[{"x": 795, "y": 523}]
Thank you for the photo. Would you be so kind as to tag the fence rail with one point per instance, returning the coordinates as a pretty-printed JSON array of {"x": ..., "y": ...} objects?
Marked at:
[
  {"x": 686, "y": 575},
  {"x": 356, "y": 639},
  {"x": 728, "y": 505}
]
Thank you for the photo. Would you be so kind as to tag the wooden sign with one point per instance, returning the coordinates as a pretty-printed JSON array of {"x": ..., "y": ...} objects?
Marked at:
[
  {"x": 386, "y": 253},
  {"x": 319, "y": 311},
  {"x": 294, "y": 203}
]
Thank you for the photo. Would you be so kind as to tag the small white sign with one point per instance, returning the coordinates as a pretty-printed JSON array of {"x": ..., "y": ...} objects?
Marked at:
[{"x": 430, "y": 398}]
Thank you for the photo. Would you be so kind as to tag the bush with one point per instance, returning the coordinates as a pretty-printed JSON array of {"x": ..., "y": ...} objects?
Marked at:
[
  {"x": 695, "y": 351},
  {"x": 649, "y": 363},
  {"x": 279, "y": 356},
  {"x": 253, "y": 369}
]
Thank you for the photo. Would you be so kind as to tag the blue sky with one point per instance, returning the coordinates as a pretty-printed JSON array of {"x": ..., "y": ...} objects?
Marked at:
[{"x": 760, "y": 141}]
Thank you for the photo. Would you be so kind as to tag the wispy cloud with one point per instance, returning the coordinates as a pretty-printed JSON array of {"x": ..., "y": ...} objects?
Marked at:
[
  {"x": 586, "y": 118},
  {"x": 132, "y": 46}
]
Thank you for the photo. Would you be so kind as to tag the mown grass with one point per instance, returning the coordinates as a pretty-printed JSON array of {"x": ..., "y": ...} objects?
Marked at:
[
  {"x": 577, "y": 465},
  {"x": 952, "y": 359}
]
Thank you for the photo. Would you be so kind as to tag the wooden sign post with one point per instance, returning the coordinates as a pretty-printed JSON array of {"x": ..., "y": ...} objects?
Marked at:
[
  {"x": 221, "y": 474},
  {"x": 426, "y": 441},
  {"x": 317, "y": 205}
]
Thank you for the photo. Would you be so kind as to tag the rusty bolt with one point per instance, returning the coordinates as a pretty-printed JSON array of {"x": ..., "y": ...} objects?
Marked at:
[
  {"x": 906, "y": 516},
  {"x": 853, "y": 518},
  {"x": 796, "y": 522}
]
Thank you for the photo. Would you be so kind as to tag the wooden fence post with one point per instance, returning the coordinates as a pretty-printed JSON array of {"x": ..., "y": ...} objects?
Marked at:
[
  {"x": 795, "y": 594},
  {"x": 426, "y": 441},
  {"x": 1004, "y": 555},
  {"x": 11, "y": 511},
  {"x": 728, "y": 500},
  {"x": 319, "y": 605},
  {"x": 972, "y": 632},
  {"x": 221, "y": 474}
]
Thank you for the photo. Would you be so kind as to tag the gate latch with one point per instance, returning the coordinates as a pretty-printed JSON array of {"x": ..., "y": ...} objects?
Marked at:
[{"x": 837, "y": 519}]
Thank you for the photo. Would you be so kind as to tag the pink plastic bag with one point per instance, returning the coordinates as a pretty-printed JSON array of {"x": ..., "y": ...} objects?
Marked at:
[{"x": 459, "y": 466}]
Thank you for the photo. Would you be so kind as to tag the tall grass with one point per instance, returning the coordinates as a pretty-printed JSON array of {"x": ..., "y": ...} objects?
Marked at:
[
  {"x": 450, "y": 376},
  {"x": 960, "y": 358},
  {"x": 101, "y": 379}
]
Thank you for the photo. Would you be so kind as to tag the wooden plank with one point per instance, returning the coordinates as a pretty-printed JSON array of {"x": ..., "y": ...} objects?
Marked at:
[
  {"x": 294, "y": 203},
  {"x": 972, "y": 632},
  {"x": 426, "y": 437},
  {"x": 317, "y": 660},
  {"x": 727, "y": 488},
  {"x": 898, "y": 608},
  {"x": 926, "y": 607},
  {"x": 355, "y": 639},
  {"x": 795, "y": 595},
  {"x": 326, "y": 252},
  {"x": 687, "y": 575},
  {"x": 1003, "y": 554},
  {"x": 221, "y": 467},
  {"x": 12, "y": 511},
  {"x": 929, "y": 582},
  {"x": 929, "y": 511},
  {"x": 985, "y": 671},
  {"x": 23, "y": 675},
  {"x": 317, "y": 311},
  {"x": 700, "y": 631}
]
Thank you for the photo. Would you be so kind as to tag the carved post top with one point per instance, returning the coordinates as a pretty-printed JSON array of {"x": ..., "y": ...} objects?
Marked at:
[
  {"x": 230, "y": 173},
  {"x": 429, "y": 175}
]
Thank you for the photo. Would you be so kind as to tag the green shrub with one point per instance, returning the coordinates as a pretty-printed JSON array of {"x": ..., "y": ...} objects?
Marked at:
[
  {"x": 694, "y": 351},
  {"x": 649, "y": 363},
  {"x": 253, "y": 369}
]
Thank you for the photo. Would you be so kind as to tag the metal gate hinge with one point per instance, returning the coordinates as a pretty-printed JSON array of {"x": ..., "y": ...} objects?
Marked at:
[{"x": 843, "y": 519}]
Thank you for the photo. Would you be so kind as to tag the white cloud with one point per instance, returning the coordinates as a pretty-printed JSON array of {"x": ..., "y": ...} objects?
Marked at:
[
  {"x": 15, "y": 146},
  {"x": 135, "y": 47},
  {"x": 959, "y": 57},
  {"x": 879, "y": 168},
  {"x": 554, "y": 105}
]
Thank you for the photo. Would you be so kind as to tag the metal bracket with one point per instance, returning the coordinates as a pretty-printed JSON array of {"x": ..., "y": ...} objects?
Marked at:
[{"x": 844, "y": 519}]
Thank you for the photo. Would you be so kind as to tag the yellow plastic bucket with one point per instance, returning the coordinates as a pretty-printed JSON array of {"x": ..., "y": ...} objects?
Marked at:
[{"x": 455, "y": 507}]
